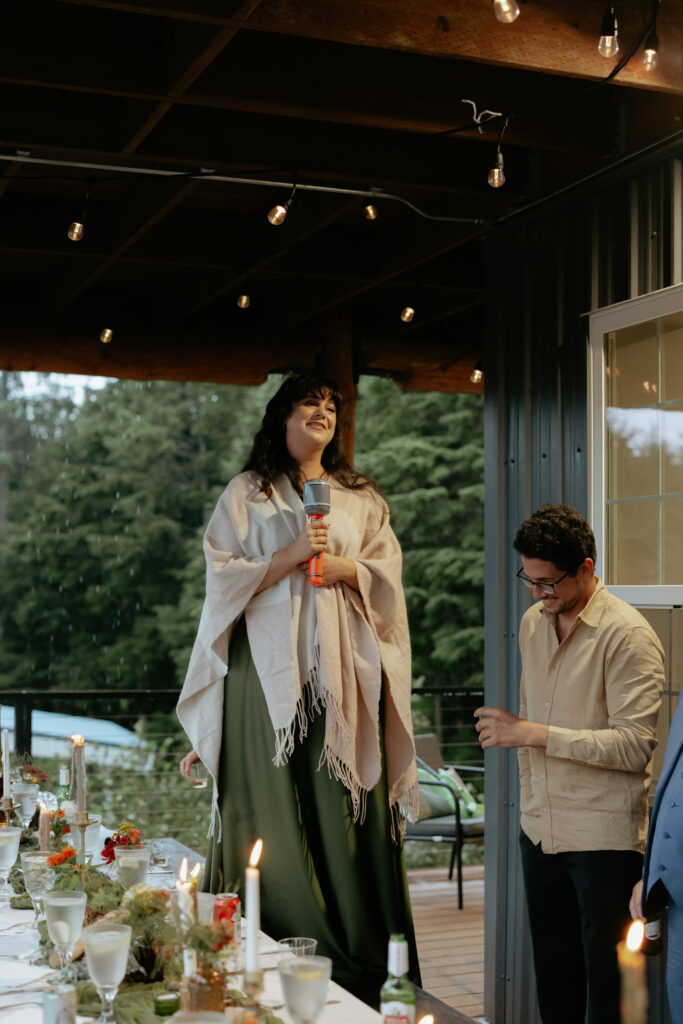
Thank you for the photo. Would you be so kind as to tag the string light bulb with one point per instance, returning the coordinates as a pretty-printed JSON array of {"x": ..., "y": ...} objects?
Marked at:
[
  {"x": 244, "y": 301},
  {"x": 278, "y": 214},
  {"x": 106, "y": 335},
  {"x": 371, "y": 212},
  {"x": 506, "y": 10},
  {"x": 77, "y": 227},
  {"x": 407, "y": 314},
  {"x": 609, "y": 44},
  {"x": 497, "y": 174},
  {"x": 650, "y": 51},
  {"x": 477, "y": 374}
]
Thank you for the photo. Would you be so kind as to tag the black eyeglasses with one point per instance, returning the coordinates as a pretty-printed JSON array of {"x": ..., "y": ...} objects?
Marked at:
[{"x": 545, "y": 588}]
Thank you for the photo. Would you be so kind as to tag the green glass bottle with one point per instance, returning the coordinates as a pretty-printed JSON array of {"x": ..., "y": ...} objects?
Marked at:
[
  {"x": 64, "y": 784},
  {"x": 652, "y": 940},
  {"x": 397, "y": 996}
]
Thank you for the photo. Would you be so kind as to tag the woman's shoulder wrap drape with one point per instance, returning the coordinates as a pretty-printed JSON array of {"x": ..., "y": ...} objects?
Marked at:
[{"x": 312, "y": 647}]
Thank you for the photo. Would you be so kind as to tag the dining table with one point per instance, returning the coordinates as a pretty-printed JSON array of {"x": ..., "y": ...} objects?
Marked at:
[{"x": 21, "y": 982}]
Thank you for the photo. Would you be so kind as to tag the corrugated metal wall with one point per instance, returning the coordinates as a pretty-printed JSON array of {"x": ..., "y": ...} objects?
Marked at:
[{"x": 609, "y": 240}]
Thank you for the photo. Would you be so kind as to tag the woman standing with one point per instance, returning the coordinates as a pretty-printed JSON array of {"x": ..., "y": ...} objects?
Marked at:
[{"x": 309, "y": 738}]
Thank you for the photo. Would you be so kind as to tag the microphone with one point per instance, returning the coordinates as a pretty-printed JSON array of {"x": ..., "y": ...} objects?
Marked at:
[{"x": 316, "y": 505}]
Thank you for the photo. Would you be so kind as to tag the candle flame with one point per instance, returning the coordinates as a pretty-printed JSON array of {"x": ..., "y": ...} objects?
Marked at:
[
  {"x": 196, "y": 870},
  {"x": 255, "y": 854},
  {"x": 427, "y": 1019},
  {"x": 182, "y": 874},
  {"x": 78, "y": 741},
  {"x": 635, "y": 935}
]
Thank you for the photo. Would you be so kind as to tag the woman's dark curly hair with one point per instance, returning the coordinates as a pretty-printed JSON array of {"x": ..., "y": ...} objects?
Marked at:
[
  {"x": 557, "y": 534},
  {"x": 269, "y": 454}
]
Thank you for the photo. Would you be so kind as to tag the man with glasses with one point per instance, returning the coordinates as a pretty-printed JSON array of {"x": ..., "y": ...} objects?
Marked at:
[{"x": 592, "y": 675}]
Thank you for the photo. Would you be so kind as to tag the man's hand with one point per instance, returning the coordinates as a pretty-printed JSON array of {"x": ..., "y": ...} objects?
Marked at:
[
  {"x": 636, "y": 903},
  {"x": 498, "y": 728}
]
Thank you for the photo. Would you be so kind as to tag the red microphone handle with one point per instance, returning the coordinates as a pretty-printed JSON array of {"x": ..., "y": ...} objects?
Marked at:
[{"x": 315, "y": 564}]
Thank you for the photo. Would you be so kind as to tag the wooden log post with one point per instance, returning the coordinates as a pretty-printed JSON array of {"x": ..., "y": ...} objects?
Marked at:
[{"x": 338, "y": 365}]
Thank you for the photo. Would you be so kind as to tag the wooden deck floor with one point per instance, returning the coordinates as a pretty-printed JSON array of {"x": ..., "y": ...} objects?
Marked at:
[{"x": 450, "y": 942}]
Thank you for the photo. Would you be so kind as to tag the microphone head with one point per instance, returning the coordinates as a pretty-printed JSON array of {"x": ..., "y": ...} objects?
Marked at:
[{"x": 317, "y": 497}]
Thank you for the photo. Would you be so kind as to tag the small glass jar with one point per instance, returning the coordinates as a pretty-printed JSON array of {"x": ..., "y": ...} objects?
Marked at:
[{"x": 203, "y": 989}]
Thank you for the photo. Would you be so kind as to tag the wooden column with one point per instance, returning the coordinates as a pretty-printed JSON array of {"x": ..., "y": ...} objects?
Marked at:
[{"x": 338, "y": 365}]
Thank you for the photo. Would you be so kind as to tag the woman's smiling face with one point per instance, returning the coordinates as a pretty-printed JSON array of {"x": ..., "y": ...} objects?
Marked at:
[{"x": 311, "y": 424}]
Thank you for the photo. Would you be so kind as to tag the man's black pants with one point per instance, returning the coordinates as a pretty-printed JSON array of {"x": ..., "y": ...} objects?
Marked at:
[{"x": 578, "y": 909}]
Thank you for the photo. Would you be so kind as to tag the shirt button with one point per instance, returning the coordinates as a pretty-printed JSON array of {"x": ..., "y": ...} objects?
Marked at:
[
  {"x": 667, "y": 836},
  {"x": 547, "y": 703},
  {"x": 662, "y": 867}
]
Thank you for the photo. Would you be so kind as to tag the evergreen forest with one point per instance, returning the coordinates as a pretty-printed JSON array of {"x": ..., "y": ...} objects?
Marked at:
[{"x": 103, "y": 506}]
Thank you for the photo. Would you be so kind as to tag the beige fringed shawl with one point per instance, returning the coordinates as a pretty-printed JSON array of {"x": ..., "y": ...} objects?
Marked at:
[{"x": 350, "y": 639}]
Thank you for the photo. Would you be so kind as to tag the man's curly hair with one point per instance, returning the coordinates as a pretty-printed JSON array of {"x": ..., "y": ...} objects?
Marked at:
[{"x": 557, "y": 534}]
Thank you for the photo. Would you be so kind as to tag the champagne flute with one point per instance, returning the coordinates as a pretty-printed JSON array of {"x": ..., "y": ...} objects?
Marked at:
[
  {"x": 64, "y": 911},
  {"x": 38, "y": 878},
  {"x": 9, "y": 848},
  {"x": 305, "y": 980},
  {"x": 106, "y": 953}
]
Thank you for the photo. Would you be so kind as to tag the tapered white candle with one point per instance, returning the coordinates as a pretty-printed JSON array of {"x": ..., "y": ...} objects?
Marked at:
[
  {"x": 79, "y": 769},
  {"x": 253, "y": 907},
  {"x": 5, "y": 761},
  {"x": 632, "y": 972},
  {"x": 44, "y": 828}
]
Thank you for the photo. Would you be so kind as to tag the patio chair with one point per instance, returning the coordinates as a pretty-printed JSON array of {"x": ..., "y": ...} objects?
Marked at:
[{"x": 451, "y": 827}]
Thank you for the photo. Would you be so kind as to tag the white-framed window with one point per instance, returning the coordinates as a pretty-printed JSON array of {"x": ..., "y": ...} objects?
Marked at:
[
  {"x": 636, "y": 430},
  {"x": 636, "y": 402}
]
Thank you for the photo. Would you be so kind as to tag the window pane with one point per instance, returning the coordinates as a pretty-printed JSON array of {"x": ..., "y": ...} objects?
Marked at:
[
  {"x": 672, "y": 364},
  {"x": 671, "y": 542},
  {"x": 632, "y": 533},
  {"x": 633, "y": 363},
  {"x": 672, "y": 448},
  {"x": 633, "y": 452}
]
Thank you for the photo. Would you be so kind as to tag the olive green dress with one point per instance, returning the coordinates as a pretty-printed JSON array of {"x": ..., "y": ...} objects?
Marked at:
[{"x": 322, "y": 875}]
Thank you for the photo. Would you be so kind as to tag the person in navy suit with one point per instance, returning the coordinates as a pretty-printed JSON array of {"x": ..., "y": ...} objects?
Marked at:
[{"x": 662, "y": 884}]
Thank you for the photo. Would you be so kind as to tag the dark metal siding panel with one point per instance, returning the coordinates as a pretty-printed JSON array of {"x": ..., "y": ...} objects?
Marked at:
[{"x": 543, "y": 275}]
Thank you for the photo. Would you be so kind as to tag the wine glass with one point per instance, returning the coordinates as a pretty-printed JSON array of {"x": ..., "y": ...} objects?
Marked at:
[
  {"x": 39, "y": 876},
  {"x": 9, "y": 848},
  {"x": 106, "y": 953},
  {"x": 304, "y": 983},
  {"x": 26, "y": 797},
  {"x": 64, "y": 912}
]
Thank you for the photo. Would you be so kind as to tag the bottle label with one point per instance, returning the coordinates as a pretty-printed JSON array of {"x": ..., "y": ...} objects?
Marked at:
[
  {"x": 653, "y": 929},
  {"x": 398, "y": 958},
  {"x": 397, "y": 1013}
]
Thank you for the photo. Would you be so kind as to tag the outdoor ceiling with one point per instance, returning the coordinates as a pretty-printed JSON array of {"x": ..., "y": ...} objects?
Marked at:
[{"x": 342, "y": 94}]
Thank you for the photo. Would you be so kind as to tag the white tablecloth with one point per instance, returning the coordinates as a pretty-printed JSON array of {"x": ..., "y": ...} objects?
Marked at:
[{"x": 26, "y": 1007}]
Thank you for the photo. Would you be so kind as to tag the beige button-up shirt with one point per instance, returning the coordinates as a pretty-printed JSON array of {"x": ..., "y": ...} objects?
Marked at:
[{"x": 599, "y": 692}]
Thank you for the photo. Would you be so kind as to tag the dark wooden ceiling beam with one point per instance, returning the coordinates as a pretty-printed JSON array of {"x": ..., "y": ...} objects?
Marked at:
[
  {"x": 148, "y": 202},
  {"x": 192, "y": 73},
  {"x": 301, "y": 304},
  {"x": 561, "y": 135},
  {"x": 560, "y": 38},
  {"x": 274, "y": 242}
]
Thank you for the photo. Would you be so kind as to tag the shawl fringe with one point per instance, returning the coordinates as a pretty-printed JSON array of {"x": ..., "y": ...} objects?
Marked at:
[{"x": 406, "y": 806}]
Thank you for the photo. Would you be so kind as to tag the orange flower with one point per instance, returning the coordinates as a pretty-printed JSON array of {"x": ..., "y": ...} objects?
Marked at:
[{"x": 58, "y": 858}]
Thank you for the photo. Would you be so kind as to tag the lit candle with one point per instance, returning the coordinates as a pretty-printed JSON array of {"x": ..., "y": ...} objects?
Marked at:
[
  {"x": 44, "y": 828},
  {"x": 253, "y": 907},
  {"x": 79, "y": 771},
  {"x": 5, "y": 762},
  {"x": 186, "y": 894},
  {"x": 632, "y": 972}
]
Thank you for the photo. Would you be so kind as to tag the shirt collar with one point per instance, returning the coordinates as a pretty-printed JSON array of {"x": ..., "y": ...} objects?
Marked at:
[{"x": 592, "y": 613}]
